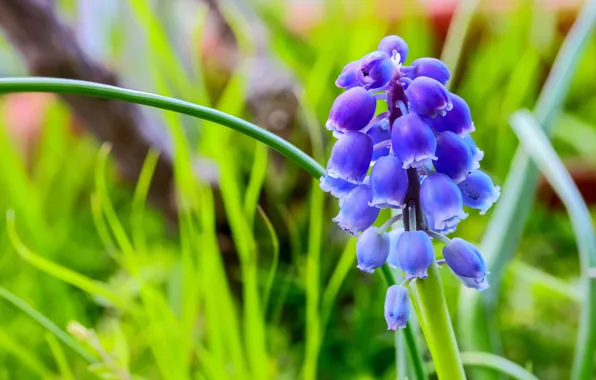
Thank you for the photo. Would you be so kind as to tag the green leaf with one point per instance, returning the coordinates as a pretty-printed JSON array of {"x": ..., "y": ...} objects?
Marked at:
[
  {"x": 514, "y": 206},
  {"x": 537, "y": 145},
  {"x": 498, "y": 363}
]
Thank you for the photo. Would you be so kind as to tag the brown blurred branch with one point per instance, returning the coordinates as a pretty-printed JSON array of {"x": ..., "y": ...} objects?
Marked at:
[{"x": 50, "y": 49}]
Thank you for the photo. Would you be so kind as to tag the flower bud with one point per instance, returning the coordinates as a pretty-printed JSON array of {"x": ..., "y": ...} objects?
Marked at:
[
  {"x": 397, "y": 307},
  {"x": 428, "y": 97},
  {"x": 355, "y": 214},
  {"x": 458, "y": 120},
  {"x": 413, "y": 141},
  {"x": 467, "y": 263},
  {"x": 478, "y": 191},
  {"x": 477, "y": 154},
  {"x": 414, "y": 253},
  {"x": 380, "y": 132},
  {"x": 347, "y": 79},
  {"x": 372, "y": 249},
  {"x": 441, "y": 202},
  {"x": 394, "y": 235},
  {"x": 375, "y": 70},
  {"x": 336, "y": 186},
  {"x": 350, "y": 157},
  {"x": 454, "y": 157},
  {"x": 352, "y": 110},
  {"x": 389, "y": 183},
  {"x": 428, "y": 67},
  {"x": 394, "y": 45}
]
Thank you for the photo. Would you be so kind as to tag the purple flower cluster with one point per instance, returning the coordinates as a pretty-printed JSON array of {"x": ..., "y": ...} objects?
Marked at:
[{"x": 425, "y": 166}]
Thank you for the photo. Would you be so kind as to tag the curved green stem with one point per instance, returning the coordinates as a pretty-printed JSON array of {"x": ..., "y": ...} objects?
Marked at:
[
  {"x": 69, "y": 86},
  {"x": 439, "y": 333}
]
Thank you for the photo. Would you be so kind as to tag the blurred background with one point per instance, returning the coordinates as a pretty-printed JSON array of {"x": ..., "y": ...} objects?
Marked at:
[{"x": 232, "y": 268}]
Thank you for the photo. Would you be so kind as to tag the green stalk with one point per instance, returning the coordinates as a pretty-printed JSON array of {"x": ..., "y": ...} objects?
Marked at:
[
  {"x": 78, "y": 87},
  {"x": 437, "y": 327}
]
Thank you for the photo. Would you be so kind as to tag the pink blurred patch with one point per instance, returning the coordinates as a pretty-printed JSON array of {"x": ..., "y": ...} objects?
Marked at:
[{"x": 24, "y": 115}]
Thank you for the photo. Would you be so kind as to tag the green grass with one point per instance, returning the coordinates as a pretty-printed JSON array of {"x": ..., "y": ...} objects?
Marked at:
[{"x": 255, "y": 281}]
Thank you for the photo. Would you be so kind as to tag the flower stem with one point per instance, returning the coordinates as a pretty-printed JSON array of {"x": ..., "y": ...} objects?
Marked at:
[
  {"x": 382, "y": 144},
  {"x": 374, "y": 121},
  {"x": 437, "y": 327},
  {"x": 390, "y": 221},
  {"x": 439, "y": 237}
]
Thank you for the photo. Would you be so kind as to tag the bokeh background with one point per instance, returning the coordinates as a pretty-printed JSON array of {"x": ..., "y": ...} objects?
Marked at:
[{"x": 239, "y": 272}]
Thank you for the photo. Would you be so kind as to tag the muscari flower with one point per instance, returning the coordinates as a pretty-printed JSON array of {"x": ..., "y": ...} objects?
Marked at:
[
  {"x": 372, "y": 249},
  {"x": 428, "y": 97},
  {"x": 352, "y": 110},
  {"x": 375, "y": 69},
  {"x": 350, "y": 157},
  {"x": 394, "y": 235},
  {"x": 414, "y": 254},
  {"x": 413, "y": 141},
  {"x": 397, "y": 307},
  {"x": 347, "y": 79},
  {"x": 467, "y": 263},
  {"x": 441, "y": 202},
  {"x": 380, "y": 132},
  {"x": 394, "y": 45},
  {"x": 458, "y": 120},
  {"x": 477, "y": 154},
  {"x": 355, "y": 214},
  {"x": 428, "y": 67},
  {"x": 335, "y": 186},
  {"x": 454, "y": 157},
  {"x": 426, "y": 110},
  {"x": 478, "y": 191},
  {"x": 389, "y": 183}
]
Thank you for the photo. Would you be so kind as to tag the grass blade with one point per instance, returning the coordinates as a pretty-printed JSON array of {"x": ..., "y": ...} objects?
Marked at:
[
  {"x": 345, "y": 263},
  {"x": 456, "y": 35},
  {"x": 58, "y": 354},
  {"x": 312, "y": 282},
  {"x": 23, "y": 355},
  {"x": 139, "y": 200},
  {"x": 67, "y": 275},
  {"x": 257, "y": 177},
  {"x": 536, "y": 144},
  {"x": 513, "y": 208},
  {"x": 46, "y": 323},
  {"x": 275, "y": 260}
]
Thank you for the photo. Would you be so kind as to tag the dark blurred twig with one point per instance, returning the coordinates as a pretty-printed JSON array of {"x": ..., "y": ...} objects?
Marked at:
[
  {"x": 270, "y": 94},
  {"x": 50, "y": 49}
]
